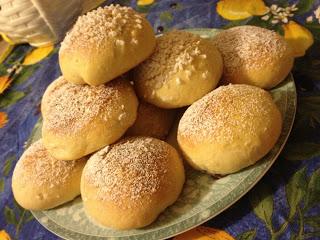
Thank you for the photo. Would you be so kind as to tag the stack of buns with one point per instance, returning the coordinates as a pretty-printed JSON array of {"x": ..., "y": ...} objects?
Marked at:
[{"x": 103, "y": 132}]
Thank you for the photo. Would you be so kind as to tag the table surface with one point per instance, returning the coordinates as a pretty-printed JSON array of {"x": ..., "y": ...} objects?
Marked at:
[{"x": 285, "y": 204}]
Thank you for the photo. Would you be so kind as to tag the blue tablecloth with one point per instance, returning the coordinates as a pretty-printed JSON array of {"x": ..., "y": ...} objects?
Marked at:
[{"x": 285, "y": 204}]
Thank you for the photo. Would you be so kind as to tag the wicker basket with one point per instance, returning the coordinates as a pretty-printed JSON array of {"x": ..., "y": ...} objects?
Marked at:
[{"x": 40, "y": 22}]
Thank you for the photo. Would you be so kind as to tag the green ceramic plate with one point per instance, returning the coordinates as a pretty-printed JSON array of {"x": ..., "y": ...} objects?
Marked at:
[{"x": 203, "y": 197}]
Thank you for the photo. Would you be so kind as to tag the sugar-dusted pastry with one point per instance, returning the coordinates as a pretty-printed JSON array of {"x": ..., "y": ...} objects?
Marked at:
[
  {"x": 80, "y": 119},
  {"x": 128, "y": 184},
  {"x": 41, "y": 181},
  {"x": 230, "y": 128},
  {"x": 104, "y": 44},
  {"x": 182, "y": 69},
  {"x": 152, "y": 121},
  {"x": 254, "y": 56}
]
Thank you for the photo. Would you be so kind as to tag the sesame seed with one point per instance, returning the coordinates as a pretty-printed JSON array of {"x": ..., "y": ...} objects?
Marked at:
[
  {"x": 175, "y": 53},
  {"x": 134, "y": 41},
  {"x": 121, "y": 116},
  {"x": 120, "y": 42},
  {"x": 188, "y": 73},
  {"x": 204, "y": 75},
  {"x": 96, "y": 27},
  {"x": 138, "y": 21}
]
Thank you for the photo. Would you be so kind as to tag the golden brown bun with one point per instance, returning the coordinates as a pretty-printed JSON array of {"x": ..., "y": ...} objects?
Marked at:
[
  {"x": 105, "y": 43},
  {"x": 182, "y": 69},
  {"x": 128, "y": 184},
  {"x": 254, "y": 56},
  {"x": 229, "y": 129},
  {"x": 152, "y": 121},
  {"x": 41, "y": 182},
  {"x": 80, "y": 119}
]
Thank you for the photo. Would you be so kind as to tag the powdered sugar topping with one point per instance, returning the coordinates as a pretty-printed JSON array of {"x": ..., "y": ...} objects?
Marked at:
[
  {"x": 132, "y": 169},
  {"x": 70, "y": 107},
  {"x": 226, "y": 113},
  {"x": 249, "y": 47},
  {"x": 38, "y": 167}
]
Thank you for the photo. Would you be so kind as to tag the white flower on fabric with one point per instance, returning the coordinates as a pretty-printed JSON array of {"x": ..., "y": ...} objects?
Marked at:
[
  {"x": 309, "y": 19},
  {"x": 279, "y": 14},
  {"x": 265, "y": 17},
  {"x": 317, "y": 13}
]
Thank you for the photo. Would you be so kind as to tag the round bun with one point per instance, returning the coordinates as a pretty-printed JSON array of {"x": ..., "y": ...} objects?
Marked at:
[
  {"x": 254, "y": 56},
  {"x": 182, "y": 69},
  {"x": 41, "y": 182},
  {"x": 80, "y": 119},
  {"x": 104, "y": 44},
  {"x": 229, "y": 129},
  {"x": 128, "y": 184},
  {"x": 152, "y": 121}
]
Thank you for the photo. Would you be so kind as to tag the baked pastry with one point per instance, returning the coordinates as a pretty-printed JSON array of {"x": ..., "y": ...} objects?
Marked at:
[
  {"x": 229, "y": 129},
  {"x": 105, "y": 43},
  {"x": 128, "y": 184},
  {"x": 80, "y": 119},
  {"x": 40, "y": 181},
  {"x": 182, "y": 69},
  {"x": 152, "y": 121},
  {"x": 254, "y": 56}
]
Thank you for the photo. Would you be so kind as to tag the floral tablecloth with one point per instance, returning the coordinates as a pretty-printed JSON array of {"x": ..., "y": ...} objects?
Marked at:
[{"x": 285, "y": 204}]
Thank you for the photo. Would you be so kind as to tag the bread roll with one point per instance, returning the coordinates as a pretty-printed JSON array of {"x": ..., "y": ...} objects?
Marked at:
[
  {"x": 229, "y": 129},
  {"x": 254, "y": 56},
  {"x": 152, "y": 121},
  {"x": 105, "y": 43},
  {"x": 128, "y": 184},
  {"x": 80, "y": 119},
  {"x": 41, "y": 182},
  {"x": 182, "y": 69}
]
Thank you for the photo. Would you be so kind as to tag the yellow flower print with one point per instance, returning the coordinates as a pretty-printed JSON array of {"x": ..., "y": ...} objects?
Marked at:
[
  {"x": 298, "y": 37},
  {"x": 204, "y": 233},
  {"x": 4, "y": 83},
  {"x": 144, "y": 2},
  {"x": 4, "y": 235},
  {"x": 241, "y": 9},
  {"x": 3, "y": 122},
  {"x": 37, "y": 55}
]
